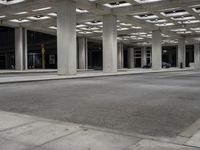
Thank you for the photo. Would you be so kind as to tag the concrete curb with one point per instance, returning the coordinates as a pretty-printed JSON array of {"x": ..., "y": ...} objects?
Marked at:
[{"x": 83, "y": 76}]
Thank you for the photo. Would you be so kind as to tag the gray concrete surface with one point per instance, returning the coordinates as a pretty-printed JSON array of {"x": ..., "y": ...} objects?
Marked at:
[
  {"x": 42, "y": 134},
  {"x": 161, "y": 104},
  {"x": 46, "y": 134},
  {"x": 155, "y": 145},
  {"x": 195, "y": 140}
]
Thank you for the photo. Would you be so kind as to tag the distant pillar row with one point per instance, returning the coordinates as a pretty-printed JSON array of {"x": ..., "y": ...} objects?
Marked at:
[
  {"x": 21, "y": 49},
  {"x": 197, "y": 53},
  {"x": 156, "y": 50},
  {"x": 120, "y": 55},
  {"x": 83, "y": 53},
  {"x": 131, "y": 61},
  {"x": 144, "y": 56},
  {"x": 181, "y": 53}
]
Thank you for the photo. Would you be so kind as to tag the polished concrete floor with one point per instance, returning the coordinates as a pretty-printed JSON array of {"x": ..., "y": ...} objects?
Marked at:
[{"x": 159, "y": 104}]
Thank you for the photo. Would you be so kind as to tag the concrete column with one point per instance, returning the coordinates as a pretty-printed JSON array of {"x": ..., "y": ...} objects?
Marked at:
[
  {"x": 196, "y": 53},
  {"x": 66, "y": 37},
  {"x": 181, "y": 53},
  {"x": 131, "y": 61},
  {"x": 109, "y": 43},
  {"x": 25, "y": 50},
  {"x": 120, "y": 55},
  {"x": 156, "y": 50},
  {"x": 144, "y": 56},
  {"x": 21, "y": 48},
  {"x": 83, "y": 53}
]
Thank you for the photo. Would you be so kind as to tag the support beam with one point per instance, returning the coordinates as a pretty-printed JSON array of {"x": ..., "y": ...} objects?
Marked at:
[
  {"x": 181, "y": 53},
  {"x": 66, "y": 37},
  {"x": 83, "y": 53},
  {"x": 156, "y": 50},
  {"x": 21, "y": 49},
  {"x": 131, "y": 61},
  {"x": 109, "y": 43},
  {"x": 120, "y": 54}
]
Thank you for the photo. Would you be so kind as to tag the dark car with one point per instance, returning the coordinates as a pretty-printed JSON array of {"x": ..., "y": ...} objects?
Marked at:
[
  {"x": 166, "y": 65},
  {"x": 148, "y": 66}
]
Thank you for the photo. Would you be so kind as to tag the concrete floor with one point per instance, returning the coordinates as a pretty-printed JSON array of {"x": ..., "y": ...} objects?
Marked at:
[{"x": 161, "y": 104}]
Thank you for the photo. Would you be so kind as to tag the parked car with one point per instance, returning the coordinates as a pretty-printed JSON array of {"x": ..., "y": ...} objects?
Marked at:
[
  {"x": 166, "y": 65},
  {"x": 97, "y": 68},
  {"x": 147, "y": 66}
]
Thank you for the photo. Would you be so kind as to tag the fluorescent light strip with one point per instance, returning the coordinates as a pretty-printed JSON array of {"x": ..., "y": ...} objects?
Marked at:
[
  {"x": 53, "y": 27},
  {"x": 10, "y": 2},
  {"x": 117, "y": 5},
  {"x": 42, "y": 9},
  {"x": 146, "y": 1},
  {"x": 52, "y": 14},
  {"x": 21, "y": 13},
  {"x": 38, "y": 17},
  {"x": 78, "y": 10},
  {"x": 2, "y": 17},
  {"x": 20, "y": 20},
  {"x": 145, "y": 17},
  {"x": 164, "y": 24}
]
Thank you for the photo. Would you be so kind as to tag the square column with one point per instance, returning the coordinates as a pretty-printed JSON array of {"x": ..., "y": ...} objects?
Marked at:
[
  {"x": 109, "y": 43},
  {"x": 83, "y": 53},
  {"x": 131, "y": 60},
  {"x": 156, "y": 50},
  {"x": 144, "y": 56},
  {"x": 197, "y": 53},
  {"x": 181, "y": 53},
  {"x": 66, "y": 37},
  {"x": 21, "y": 53},
  {"x": 120, "y": 55}
]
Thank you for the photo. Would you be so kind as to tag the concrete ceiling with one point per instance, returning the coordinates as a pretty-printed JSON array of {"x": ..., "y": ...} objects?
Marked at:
[{"x": 136, "y": 18}]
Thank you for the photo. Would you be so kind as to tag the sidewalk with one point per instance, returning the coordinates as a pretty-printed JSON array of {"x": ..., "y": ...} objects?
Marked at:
[
  {"x": 22, "y": 132},
  {"x": 42, "y": 76}
]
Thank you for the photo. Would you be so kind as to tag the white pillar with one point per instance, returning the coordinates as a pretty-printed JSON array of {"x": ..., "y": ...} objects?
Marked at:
[
  {"x": 25, "y": 50},
  {"x": 120, "y": 55},
  {"x": 83, "y": 53},
  {"x": 197, "y": 53},
  {"x": 21, "y": 48},
  {"x": 131, "y": 61},
  {"x": 66, "y": 37},
  {"x": 144, "y": 56},
  {"x": 109, "y": 44},
  {"x": 181, "y": 53},
  {"x": 156, "y": 50}
]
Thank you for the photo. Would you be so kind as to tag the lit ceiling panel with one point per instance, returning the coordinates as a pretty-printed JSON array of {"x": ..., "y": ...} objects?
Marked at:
[
  {"x": 197, "y": 9},
  {"x": 147, "y": 1},
  {"x": 10, "y": 2},
  {"x": 182, "y": 18},
  {"x": 146, "y": 16},
  {"x": 39, "y": 17},
  {"x": 117, "y": 4},
  {"x": 174, "y": 13},
  {"x": 19, "y": 20}
]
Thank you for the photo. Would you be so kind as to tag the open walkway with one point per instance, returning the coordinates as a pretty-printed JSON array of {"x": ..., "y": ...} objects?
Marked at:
[
  {"x": 22, "y": 132},
  {"x": 149, "y": 111}
]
